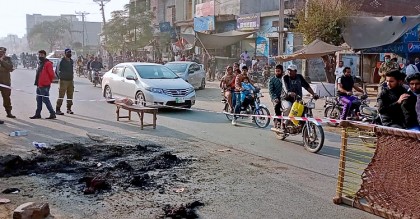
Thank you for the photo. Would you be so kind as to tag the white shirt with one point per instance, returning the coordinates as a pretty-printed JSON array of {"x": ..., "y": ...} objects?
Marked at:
[
  {"x": 411, "y": 69},
  {"x": 339, "y": 72},
  {"x": 177, "y": 57}
]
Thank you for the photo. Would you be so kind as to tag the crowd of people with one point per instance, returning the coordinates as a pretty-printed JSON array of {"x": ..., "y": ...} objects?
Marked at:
[
  {"x": 398, "y": 97},
  {"x": 398, "y": 100},
  {"x": 44, "y": 77}
]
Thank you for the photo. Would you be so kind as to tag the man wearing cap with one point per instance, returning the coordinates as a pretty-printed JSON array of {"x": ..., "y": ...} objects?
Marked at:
[
  {"x": 66, "y": 85},
  {"x": 386, "y": 66},
  {"x": 6, "y": 66},
  {"x": 292, "y": 85}
]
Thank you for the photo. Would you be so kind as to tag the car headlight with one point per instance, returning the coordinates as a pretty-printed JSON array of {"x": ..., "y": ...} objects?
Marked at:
[
  {"x": 154, "y": 90},
  {"x": 190, "y": 90}
]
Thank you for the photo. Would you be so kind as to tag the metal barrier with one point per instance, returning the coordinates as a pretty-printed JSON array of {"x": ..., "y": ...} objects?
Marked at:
[{"x": 379, "y": 170}]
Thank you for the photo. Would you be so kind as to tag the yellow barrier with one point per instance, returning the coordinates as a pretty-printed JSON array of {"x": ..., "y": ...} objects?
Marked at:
[{"x": 379, "y": 170}]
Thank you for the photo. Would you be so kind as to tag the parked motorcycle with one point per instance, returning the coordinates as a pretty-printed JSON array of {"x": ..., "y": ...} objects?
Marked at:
[
  {"x": 334, "y": 107},
  {"x": 312, "y": 133},
  {"x": 255, "y": 108},
  {"x": 96, "y": 77}
]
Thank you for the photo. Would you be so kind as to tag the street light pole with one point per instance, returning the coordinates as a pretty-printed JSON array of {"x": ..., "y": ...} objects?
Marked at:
[{"x": 281, "y": 28}]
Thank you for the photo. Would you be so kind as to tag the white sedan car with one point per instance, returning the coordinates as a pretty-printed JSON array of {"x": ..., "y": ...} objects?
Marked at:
[
  {"x": 191, "y": 72},
  {"x": 149, "y": 84}
]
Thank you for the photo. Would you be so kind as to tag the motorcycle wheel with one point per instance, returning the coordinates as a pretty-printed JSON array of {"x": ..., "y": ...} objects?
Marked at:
[
  {"x": 226, "y": 109},
  {"x": 262, "y": 122},
  {"x": 332, "y": 112},
  {"x": 314, "y": 141}
]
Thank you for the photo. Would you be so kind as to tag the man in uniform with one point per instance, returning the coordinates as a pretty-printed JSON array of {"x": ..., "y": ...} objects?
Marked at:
[
  {"x": 66, "y": 84},
  {"x": 386, "y": 66},
  {"x": 6, "y": 67}
]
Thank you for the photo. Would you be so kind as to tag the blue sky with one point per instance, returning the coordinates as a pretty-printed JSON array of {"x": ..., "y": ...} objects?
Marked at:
[{"x": 13, "y": 12}]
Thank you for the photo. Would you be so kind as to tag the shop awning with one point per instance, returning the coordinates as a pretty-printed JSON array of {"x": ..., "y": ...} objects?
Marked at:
[
  {"x": 316, "y": 49},
  {"x": 369, "y": 32},
  {"x": 220, "y": 40}
]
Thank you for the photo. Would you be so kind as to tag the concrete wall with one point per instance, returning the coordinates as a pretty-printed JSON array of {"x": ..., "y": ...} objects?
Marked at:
[
  {"x": 227, "y": 7},
  {"x": 256, "y": 6},
  {"x": 162, "y": 9}
]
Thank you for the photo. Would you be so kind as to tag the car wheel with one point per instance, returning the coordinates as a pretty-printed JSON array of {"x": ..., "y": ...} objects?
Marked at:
[
  {"x": 108, "y": 94},
  {"x": 140, "y": 99},
  {"x": 203, "y": 84}
]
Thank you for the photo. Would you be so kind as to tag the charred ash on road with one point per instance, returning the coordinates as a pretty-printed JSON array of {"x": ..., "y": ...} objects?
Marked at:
[{"x": 97, "y": 167}]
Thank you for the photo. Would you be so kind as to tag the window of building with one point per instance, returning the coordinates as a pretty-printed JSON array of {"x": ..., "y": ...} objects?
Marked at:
[{"x": 189, "y": 10}]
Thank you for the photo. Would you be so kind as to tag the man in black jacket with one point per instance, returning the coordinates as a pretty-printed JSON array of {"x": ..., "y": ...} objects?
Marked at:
[
  {"x": 391, "y": 98},
  {"x": 409, "y": 105},
  {"x": 292, "y": 86},
  {"x": 66, "y": 85}
]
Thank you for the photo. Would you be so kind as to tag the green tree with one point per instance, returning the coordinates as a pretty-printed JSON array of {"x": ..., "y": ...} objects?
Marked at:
[
  {"x": 49, "y": 32},
  {"x": 324, "y": 19},
  {"x": 129, "y": 28}
]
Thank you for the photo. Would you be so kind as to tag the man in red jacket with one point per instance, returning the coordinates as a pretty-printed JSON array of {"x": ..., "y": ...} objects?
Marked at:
[{"x": 43, "y": 80}]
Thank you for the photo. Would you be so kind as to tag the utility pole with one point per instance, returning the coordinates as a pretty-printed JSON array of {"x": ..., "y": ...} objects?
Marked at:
[
  {"x": 83, "y": 15},
  {"x": 102, "y": 5},
  {"x": 281, "y": 28},
  {"x": 305, "y": 72}
]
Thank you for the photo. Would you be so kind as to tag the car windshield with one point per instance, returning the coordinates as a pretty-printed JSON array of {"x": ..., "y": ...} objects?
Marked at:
[
  {"x": 55, "y": 62},
  {"x": 177, "y": 68},
  {"x": 155, "y": 72}
]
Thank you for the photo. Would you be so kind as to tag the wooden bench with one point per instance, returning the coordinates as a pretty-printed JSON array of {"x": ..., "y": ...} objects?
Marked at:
[{"x": 140, "y": 110}]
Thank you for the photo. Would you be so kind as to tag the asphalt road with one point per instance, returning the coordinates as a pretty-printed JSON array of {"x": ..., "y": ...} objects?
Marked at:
[{"x": 204, "y": 127}]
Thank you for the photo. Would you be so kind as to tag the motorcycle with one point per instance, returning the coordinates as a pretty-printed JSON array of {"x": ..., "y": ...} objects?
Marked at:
[
  {"x": 80, "y": 71},
  {"x": 255, "y": 108},
  {"x": 334, "y": 107},
  {"x": 312, "y": 132},
  {"x": 96, "y": 77}
]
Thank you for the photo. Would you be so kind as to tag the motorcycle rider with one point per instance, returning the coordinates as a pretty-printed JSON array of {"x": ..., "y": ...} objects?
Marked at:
[
  {"x": 292, "y": 87},
  {"x": 238, "y": 88},
  {"x": 408, "y": 106},
  {"x": 227, "y": 84},
  {"x": 95, "y": 65},
  {"x": 247, "y": 93},
  {"x": 89, "y": 68},
  {"x": 79, "y": 64},
  {"x": 391, "y": 98},
  {"x": 345, "y": 85},
  {"x": 275, "y": 87}
]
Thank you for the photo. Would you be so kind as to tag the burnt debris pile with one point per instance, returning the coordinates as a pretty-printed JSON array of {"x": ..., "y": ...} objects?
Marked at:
[
  {"x": 188, "y": 211},
  {"x": 98, "y": 166}
]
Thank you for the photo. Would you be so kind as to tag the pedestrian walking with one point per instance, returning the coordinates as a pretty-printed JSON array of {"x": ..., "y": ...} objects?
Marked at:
[
  {"x": 66, "y": 84},
  {"x": 6, "y": 67},
  {"x": 43, "y": 79}
]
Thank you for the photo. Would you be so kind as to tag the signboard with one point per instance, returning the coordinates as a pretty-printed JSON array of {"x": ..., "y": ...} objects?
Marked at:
[
  {"x": 413, "y": 47},
  {"x": 248, "y": 22},
  {"x": 204, "y": 23},
  {"x": 411, "y": 35},
  {"x": 398, "y": 48},
  {"x": 204, "y": 9},
  {"x": 165, "y": 27},
  {"x": 262, "y": 46}
]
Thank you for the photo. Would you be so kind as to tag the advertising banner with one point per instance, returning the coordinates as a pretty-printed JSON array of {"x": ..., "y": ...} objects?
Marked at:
[
  {"x": 204, "y": 23},
  {"x": 204, "y": 9},
  {"x": 262, "y": 46},
  {"x": 248, "y": 22}
]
